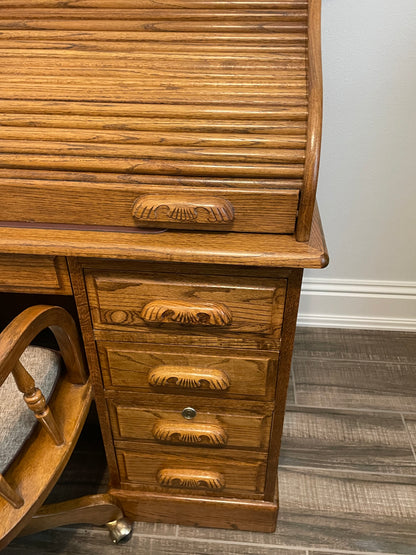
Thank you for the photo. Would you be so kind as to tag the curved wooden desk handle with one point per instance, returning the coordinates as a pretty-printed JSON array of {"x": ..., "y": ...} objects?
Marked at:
[
  {"x": 190, "y": 479},
  {"x": 189, "y": 377},
  {"x": 186, "y": 209},
  {"x": 183, "y": 312},
  {"x": 190, "y": 433}
]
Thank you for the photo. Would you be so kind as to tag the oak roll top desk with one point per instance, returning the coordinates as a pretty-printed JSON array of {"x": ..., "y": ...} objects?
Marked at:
[{"x": 158, "y": 164}]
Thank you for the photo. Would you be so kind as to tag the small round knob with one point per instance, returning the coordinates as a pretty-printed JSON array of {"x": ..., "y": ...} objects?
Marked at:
[{"x": 189, "y": 413}]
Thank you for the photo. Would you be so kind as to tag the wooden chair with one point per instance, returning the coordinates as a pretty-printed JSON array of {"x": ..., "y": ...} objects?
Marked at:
[{"x": 32, "y": 455}]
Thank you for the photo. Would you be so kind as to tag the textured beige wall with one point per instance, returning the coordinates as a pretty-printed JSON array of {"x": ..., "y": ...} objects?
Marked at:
[{"x": 367, "y": 184}]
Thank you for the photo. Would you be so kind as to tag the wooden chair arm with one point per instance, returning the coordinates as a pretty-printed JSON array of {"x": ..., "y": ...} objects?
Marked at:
[{"x": 27, "y": 325}]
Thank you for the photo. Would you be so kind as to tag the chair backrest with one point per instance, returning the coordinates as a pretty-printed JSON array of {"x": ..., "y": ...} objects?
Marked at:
[{"x": 29, "y": 475}]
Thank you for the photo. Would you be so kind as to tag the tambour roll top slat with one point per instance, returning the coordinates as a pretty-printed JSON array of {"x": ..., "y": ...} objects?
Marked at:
[{"x": 106, "y": 91}]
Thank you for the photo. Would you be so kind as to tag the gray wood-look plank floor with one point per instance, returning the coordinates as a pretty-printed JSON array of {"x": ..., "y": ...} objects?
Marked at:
[{"x": 347, "y": 474}]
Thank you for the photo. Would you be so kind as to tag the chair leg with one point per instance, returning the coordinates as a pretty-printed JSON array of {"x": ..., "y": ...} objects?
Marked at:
[{"x": 90, "y": 509}]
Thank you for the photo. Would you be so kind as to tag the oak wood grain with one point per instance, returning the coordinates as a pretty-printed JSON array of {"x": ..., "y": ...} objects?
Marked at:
[
  {"x": 127, "y": 300},
  {"x": 241, "y": 473},
  {"x": 247, "y": 249},
  {"x": 234, "y": 424},
  {"x": 34, "y": 274},
  {"x": 114, "y": 205},
  {"x": 216, "y": 104},
  {"x": 92, "y": 509},
  {"x": 36, "y": 402},
  {"x": 233, "y": 513},
  {"x": 208, "y": 75},
  {"x": 153, "y": 4},
  {"x": 81, "y": 301},
  {"x": 189, "y": 478},
  {"x": 312, "y": 155},
  {"x": 185, "y": 312},
  {"x": 285, "y": 357},
  {"x": 219, "y": 373}
]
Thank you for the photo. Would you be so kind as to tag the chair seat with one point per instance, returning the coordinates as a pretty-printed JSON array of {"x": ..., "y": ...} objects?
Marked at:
[{"x": 16, "y": 419}]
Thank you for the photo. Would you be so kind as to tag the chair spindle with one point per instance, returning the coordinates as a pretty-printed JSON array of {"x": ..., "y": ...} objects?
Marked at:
[{"x": 36, "y": 402}]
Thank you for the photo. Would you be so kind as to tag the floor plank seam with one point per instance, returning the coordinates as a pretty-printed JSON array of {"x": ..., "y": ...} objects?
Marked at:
[
  {"x": 248, "y": 544},
  {"x": 349, "y": 470},
  {"x": 318, "y": 551},
  {"x": 351, "y": 409},
  {"x": 321, "y": 358},
  {"x": 412, "y": 447},
  {"x": 295, "y": 401}
]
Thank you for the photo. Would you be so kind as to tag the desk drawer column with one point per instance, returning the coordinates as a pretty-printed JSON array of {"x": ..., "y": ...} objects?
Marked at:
[{"x": 193, "y": 369}]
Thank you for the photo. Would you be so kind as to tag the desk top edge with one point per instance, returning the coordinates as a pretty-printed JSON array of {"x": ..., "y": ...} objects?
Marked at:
[{"x": 246, "y": 249}]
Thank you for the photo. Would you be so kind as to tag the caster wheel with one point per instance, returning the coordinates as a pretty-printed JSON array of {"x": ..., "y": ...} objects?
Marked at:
[{"x": 120, "y": 530}]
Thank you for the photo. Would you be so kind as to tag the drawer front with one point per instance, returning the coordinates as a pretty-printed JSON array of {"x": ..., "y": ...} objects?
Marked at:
[
  {"x": 192, "y": 422},
  {"x": 34, "y": 274},
  {"x": 188, "y": 371},
  {"x": 215, "y": 305},
  {"x": 177, "y": 471},
  {"x": 217, "y": 209},
  {"x": 165, "y": 204}
]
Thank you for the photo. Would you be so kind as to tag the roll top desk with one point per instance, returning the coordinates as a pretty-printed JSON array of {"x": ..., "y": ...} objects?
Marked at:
[{"x": 158, "y": 164}]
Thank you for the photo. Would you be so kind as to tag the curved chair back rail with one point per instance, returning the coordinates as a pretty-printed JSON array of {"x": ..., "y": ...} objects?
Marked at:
[
  {"x": 31, "y": 475},
  {"x": 27, "y": 325}
]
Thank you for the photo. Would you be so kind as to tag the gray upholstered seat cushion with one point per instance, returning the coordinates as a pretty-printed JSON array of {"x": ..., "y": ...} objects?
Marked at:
[{"x": 16, "y": 419}]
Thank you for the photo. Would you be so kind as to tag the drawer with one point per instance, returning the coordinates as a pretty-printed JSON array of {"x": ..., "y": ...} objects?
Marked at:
[
  {"x": 175, "y": 470},
  {"x": 164, "y": 203},
  {"x": 206, "y": 304},
  {"x": 213, "y": 372},
  {"x": 191, "y": 421},
  {"x": 34, "y": 274}
]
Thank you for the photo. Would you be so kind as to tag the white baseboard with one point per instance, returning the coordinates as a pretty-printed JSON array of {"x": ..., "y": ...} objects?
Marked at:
[{"x": 362, "y": 304}]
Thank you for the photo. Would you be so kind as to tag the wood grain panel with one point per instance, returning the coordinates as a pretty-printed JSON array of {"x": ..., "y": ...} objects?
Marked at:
[
  {"x": 170, "y": 89},
  {"x": 118, "y": 299},
  {"x": 34, "y": 274},
  {"x": 240, "y": 424},
  {"x": 112, "y": 205},
  {"x": 243, "y": 475},
  {"x": 189, "y": 510},
  {"x": 155, "y": 4},
  {"x": 129, "y": 366},
  {"x": 261, "y": 250},
  {"x": 288, "y": 117}
]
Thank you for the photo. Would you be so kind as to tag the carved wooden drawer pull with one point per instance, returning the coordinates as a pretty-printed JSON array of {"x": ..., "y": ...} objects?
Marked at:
[
  {"x": 190, "y": 479},
  {"x": 164, "y": 209},
  {"x": 189, "y": 377},
  {"x": 183, "y": 312},
  {"x": 190, "y": 433}
]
